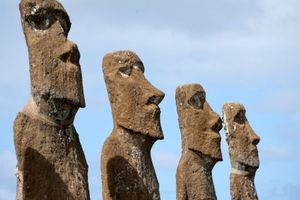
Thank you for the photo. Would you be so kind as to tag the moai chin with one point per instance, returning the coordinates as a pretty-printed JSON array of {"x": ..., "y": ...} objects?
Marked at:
[
  {"x": 200, "y": 127},
  {"x": 126, "y": 165},
  {"x": 242, "y": 142},
  {"x": 51, "y": 162}
]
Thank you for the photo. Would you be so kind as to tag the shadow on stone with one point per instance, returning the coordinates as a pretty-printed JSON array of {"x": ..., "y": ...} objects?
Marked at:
[
  {"x": 44, "y": 181},
  {"x": 124, "y": 182}
]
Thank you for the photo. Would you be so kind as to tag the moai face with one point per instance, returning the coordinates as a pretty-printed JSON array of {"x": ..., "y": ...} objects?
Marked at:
[
  {"x": 240, "y": 137},
  {"x": 134, "y": 100},
  {"x": 198, "y": 122},
  {"x": 56, "y": 81}
]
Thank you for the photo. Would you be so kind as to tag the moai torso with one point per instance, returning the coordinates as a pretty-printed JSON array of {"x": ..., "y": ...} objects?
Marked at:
[
  {"x": 200, "y": 128},
  {"x": 242, "y": 142},
  {"x": 126, "y": 165},
  {"x": 51, "y": 163}
]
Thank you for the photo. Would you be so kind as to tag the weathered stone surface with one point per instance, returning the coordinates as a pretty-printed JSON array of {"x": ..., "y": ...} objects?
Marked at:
[
  {"x": 200, "y": 127},
  {"x": 242, "y": 142},
  {"x": 126, "y": 165},
  {"x": 51, "y": 163}
]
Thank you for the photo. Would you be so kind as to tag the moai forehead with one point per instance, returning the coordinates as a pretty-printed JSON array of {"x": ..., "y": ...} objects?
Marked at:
[
  {"x": 134, "y": 100},
  {"x": 241, "y": 138},
  {"x": 190, "y": 95},
  {"x": 55, "y": 71},
  {"x": 198, "y": 122},
  {"x": 234, "y": 111},
  {"x": 120, "y": 62}
]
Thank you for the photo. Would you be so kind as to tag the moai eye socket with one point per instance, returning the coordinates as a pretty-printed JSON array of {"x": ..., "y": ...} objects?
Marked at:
[
  {"x": 40, "y": 21},
  {"x": 44, "y": 18},
  {"x": 197, "y": 100},
  {"x": 63, "y": 20},
  {"x": 140, "y": 66},
  {"x": 125, "y": 71},
  {"x": 240, "y": 117}
]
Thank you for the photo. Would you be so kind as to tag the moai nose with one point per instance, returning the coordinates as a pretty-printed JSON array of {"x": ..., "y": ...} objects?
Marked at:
[
  {"x": 254, "y": 138},
  {"x": 69, "y": 53},
  {"x": 156, "y": 98},
  {"x": 217, "y": 123}
]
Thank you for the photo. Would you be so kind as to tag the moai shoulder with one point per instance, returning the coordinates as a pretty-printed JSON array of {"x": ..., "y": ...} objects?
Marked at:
[
  {"x": 242, "y": 144},
  {"x": 200, "y": 127},
  {"x": 51, "y": 162},
  {"x": 126, "y": 165}
]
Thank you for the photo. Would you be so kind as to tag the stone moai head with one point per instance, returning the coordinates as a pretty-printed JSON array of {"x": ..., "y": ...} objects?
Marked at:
[
  {"x": 133, "y": 99},
  {"x": 56, "y": 81},
  {"x": 240, "y": 137},
  {"x": 199, "y": 124}
]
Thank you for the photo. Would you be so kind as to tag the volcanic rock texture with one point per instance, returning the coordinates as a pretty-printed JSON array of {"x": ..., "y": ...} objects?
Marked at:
[
  {"x": 200, "y": 127},
  {"x": 126, "y": 165},
  {"x": 51, "y": 163},
  {"x": 242, "y": 143}
]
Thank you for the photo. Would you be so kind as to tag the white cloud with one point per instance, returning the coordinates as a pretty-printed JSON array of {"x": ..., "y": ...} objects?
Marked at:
[
  {"x": 290, "y": 191},
  {"x": 193, "y": 15},
  {"x": 7, "y": 194},
  {"x": 284, "y": 101},
  {"x": 8, "y": 160},
  {"x": 255, "y": 40},
  {"x": 7, "y": 175},
  {"x": 228, "y": 41},
  {"x": 165, "y": 160},
  {"x": 281, "y": 16},
  {"x": 278, "y": 153},
  {"x": 297, "y": 118}
]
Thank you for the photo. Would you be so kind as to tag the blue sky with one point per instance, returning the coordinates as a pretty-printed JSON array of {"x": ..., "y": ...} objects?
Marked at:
[{"x": 239, "y": 50}]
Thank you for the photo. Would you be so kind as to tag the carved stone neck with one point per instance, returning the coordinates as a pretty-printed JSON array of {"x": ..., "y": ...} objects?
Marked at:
[
  {"x": 51, "y": 114},
  {"x": 204, "y": 162},
  {"x": 200, "y": 168},
  {"x": 33, "y": 111}
]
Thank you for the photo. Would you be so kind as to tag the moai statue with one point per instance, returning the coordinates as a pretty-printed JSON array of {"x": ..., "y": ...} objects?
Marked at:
[
  {"x": 126, "y": 165},
  {"x": 243, "y": 153},
  {"x": 200, "y": 127},
  {"x": 51, "y": 162}
]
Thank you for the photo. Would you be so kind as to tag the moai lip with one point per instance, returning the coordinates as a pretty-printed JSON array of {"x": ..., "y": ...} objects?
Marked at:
[
  {"x": 242, "y": 144},
  {"x": 51, "y": 162},
  {"x": 200, "y": 127},
  {"x": 126, "y": 165}
]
